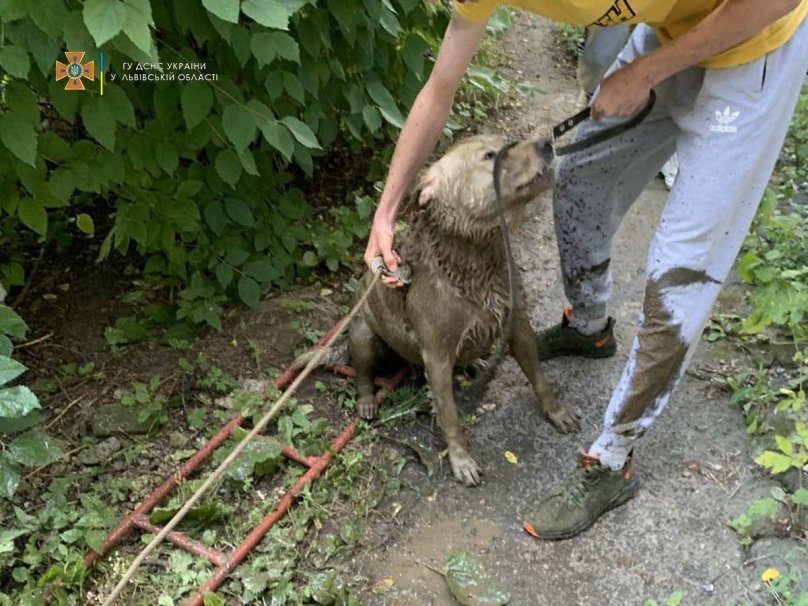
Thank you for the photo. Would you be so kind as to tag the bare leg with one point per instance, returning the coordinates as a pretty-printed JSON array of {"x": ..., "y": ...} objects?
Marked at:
[
  {"x": 439, "y": 375},
  {"x": 364, "y": 347},
  {"x": 523, "y": 347}
]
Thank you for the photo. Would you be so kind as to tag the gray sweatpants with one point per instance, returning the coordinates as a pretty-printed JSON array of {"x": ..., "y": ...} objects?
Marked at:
[
  {"x": 727, "y": 126},
  {"x": 597, "y": 55}
]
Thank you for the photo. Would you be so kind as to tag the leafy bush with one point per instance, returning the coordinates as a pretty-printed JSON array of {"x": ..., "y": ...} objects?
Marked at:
[
  {"x": 20, "y": 445},
  {"x": 775, "y": 263},
  {"x": 211, "y": 181}
]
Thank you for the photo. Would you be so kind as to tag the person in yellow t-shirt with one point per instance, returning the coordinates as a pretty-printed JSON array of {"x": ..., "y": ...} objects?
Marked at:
[{"x": 727, "y": 75}]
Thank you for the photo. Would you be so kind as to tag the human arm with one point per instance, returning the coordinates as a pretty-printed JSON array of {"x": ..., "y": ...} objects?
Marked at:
[
  {"x": 624, "y": 91},
  {"x": 421, "y": 130}
]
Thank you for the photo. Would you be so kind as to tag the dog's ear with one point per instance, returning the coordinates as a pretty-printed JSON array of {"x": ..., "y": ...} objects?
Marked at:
[{"x": 425, "y": 192}]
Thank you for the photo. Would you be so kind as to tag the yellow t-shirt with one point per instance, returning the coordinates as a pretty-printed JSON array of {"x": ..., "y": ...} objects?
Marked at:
[{"x": 670, "y": 19}]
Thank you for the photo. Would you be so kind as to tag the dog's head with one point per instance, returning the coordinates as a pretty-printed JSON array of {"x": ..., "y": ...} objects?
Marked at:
[{"x": 458, "y": 189}]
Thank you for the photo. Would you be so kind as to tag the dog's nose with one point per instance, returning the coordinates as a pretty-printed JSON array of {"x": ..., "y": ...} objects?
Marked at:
[{"x": 544, "y": 149}]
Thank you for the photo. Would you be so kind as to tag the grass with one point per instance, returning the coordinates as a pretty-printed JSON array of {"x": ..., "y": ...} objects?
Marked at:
[{"x": 774, "y": 263}]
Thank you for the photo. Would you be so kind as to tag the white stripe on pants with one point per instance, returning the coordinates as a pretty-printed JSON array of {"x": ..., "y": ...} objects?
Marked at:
[{"x": 727, "y": 126}]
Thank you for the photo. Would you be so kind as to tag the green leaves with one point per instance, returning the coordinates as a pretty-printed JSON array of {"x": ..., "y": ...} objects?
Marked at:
[
  {"x": 301, "y": 131},
  {"x": 249, "y": 291},
  {"x": 14, "y": 61},
  {"x": 9, "y": 369},
  {"x": 413, "y": 53},
  {"x": 239, "y": 125},
  {"x": 104, "y": 19},
  {"x": 470, "y": 583},
  {"x": 279, "y": 137},
  {"x": 775, "y": 462},
  {"x": 228, "y": 166},
  {"x": 167, "y": 157},
  {"x": 19, "y": 137},
  {"x": 99, "y": 121},
  {"x": 387, "y": 105},
  {"x": 33, "y": 448},
  {"x": 33, "y": 215},
  {"x": 48, "y": 16},
  {"x": 226, "y": 10},
  {"x": 271, "y": 13},
  {"x": 17, "y": 401},
  {"x": 197, "y": 101},
  {"x": 85, "y": 223},
  {"x": 239, "y": 211},
  {"x": 260, "y": 457},
  {"x": 11, "y": 323},
  {"x": 137, "y": 22},
  {"x": 267, "y": 46},
  {"x": 119, "y": 106},
  {"x": 9, "y": 476}
]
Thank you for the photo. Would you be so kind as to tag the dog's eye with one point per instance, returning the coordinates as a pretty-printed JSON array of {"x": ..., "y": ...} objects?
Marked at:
[{"x": 490, "y": 155}]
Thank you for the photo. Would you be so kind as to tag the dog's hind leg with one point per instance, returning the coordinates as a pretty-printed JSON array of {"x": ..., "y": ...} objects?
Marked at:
[
  {"x": 523, "y": 347},
  {"x": 365, "y": 345},
  {"x": 439, "y": 374}
]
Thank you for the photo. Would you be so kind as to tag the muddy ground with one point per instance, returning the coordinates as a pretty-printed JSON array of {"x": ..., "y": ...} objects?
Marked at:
[{"x": 696, "y": 466}]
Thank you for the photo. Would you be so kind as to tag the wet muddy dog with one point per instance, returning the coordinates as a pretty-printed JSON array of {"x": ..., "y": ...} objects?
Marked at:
[{"x": 452, "y": 312}]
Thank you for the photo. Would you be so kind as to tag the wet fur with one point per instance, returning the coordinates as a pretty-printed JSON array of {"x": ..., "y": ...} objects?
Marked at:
[{"x": 452, "y": 312}]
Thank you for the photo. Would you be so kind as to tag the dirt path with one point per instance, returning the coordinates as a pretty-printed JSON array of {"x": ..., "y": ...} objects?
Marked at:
[{"x": 696, "y": 466}]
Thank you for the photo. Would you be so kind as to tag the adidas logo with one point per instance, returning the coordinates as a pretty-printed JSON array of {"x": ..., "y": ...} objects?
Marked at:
[{"x": 725, "y": 119}]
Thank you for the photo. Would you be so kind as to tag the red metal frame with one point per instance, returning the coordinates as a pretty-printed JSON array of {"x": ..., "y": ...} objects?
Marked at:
[{"x": 225, "y": 563}]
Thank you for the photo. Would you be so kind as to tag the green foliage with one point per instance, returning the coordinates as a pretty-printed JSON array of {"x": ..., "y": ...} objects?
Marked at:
[
  {"x": 12, "y": 325},
  {"x": 43, "y": 548},
  {"x": 196, "y": 176},
  {"x": 775, "y": 263},
  {"x": 148, "y": 401},
  {"x": 674, "y": 599},
  {"x": 775, "y": 258},
  {"x": 21, "y": 443},
  {"x": 761, "y": 509},
  {"x": 470, "y": 583},
  {"x": 788, "y": 589},
  {"x": 569, "y": 38},
  {"x": 201, "y": 158},
  {"x": 208, "y": 376}
]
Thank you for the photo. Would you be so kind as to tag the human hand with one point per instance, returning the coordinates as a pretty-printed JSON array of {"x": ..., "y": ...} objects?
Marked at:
[
  {"x": 623, "y": 93},
  {"x": 380, "y": 244}
]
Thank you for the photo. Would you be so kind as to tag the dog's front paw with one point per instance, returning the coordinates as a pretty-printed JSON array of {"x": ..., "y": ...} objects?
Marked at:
[
  {"x": 564, "y": 420},
  {"x": 367, "y": 407},
  {"x": 465, "y": 469}
]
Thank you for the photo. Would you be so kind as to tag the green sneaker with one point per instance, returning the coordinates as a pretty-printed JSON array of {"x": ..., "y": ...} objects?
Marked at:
[
  {"x": 563, "y": 340},
  {"x": 588, "y": 492}
]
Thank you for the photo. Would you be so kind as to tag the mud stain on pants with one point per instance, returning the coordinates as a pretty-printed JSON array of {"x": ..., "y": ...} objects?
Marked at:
[{"x": 661, "y": 350}]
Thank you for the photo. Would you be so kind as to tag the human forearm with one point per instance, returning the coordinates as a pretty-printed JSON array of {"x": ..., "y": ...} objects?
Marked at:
[
  {"x": 625, "y": 90},
  {"x": 428, "y": 115},
  {"x": 727, "y": 26},
  {"x": 421, "y": 130}
]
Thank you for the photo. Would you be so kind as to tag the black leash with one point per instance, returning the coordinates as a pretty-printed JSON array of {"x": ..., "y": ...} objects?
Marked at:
[
  {"x": 563, "y": 127},
  {"x": 470, "y": 394}
]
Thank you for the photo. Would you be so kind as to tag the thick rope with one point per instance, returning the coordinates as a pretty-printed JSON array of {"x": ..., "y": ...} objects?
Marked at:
[{"x": 214, "y": 477}]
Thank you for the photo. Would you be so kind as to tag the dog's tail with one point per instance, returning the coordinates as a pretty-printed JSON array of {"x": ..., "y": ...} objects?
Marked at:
[{"x": 337, "y": 355}]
